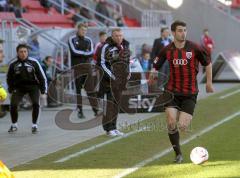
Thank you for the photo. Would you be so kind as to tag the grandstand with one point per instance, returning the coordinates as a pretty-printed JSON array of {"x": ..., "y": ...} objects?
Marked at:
[{"x": 69, "y": 151}]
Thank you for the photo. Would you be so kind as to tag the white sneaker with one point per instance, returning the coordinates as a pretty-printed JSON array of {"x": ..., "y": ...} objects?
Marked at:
[
  {"x": 112, "y": 133},
  {"x": 118, "y": 132}
]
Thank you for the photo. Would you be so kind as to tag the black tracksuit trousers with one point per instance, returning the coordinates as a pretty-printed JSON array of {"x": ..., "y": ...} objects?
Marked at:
[
  {"x": 114, "y": 95},
  {"x": 17, "y": 96},
  {"x": 84, "y": 79}
]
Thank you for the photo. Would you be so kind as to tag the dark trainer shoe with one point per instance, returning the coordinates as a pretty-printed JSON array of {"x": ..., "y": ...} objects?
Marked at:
[
  {"x": 81, "y": 115},
  {"x": 34, "y": 130},
  {"x": 12, "y": 129},
  {"x": 178, "y": 159}
]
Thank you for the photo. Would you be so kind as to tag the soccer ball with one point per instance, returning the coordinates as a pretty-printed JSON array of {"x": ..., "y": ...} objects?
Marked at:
[{"x": 199, "y": 155}]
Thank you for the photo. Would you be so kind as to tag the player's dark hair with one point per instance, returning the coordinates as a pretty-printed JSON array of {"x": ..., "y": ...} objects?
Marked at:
[
  {"x": 22, "y": 45},
  {"x": 176, "y": 24},
  {"x": 47, "y": 58},
  {"x": 101, "y": 33},
  {"x": 205, "y": 30},
  {"x": 163, "y": 29}
]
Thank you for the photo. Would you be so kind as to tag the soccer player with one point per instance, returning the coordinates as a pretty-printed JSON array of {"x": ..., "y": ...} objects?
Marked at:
[
  {"x": 81, "y": 48},
  {"x": 115, "y": 60},
  {"x": 25, "y": 76},
  {"x": 183, "y": 57}
]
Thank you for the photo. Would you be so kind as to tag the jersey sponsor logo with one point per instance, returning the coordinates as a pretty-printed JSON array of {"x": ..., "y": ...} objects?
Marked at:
[
  {"x": 182, "y": 62},
  {"x": 189, "y": 55}
]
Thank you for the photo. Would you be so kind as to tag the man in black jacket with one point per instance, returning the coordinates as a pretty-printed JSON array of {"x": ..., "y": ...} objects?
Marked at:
[
  {"x": 115, "y": 58},
  {"x": 161, "y": 42},
  {"x": 25, "y": 76},
  {"x": 81, "y": 48}
]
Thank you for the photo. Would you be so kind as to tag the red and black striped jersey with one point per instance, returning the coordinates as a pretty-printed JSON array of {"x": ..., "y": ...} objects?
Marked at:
[{"x": 184, "y": 65}]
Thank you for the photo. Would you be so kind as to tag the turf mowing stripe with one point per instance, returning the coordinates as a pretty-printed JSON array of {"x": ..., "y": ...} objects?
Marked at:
[
  {"x": 98, "y": 146},
  {"x": 229, "y": 94},
  {"x": 166, "y": 151}
]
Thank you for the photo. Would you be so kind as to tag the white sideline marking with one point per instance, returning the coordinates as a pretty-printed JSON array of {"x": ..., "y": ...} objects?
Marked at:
[
  {"x": 166, "y": 151},
  {"x": 98, "y": 146},
  {"x": 229, "y": 94}
]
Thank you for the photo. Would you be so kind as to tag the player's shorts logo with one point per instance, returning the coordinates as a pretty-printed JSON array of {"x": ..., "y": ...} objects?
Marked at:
[
  {"x": 189, "y": 55},
  {"x": 182, "y": 62}
]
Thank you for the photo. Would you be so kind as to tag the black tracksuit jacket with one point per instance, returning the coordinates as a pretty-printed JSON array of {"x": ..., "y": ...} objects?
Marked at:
[
  {"x": 81, "y": 49},
  {"x": 23, "y": 75}
]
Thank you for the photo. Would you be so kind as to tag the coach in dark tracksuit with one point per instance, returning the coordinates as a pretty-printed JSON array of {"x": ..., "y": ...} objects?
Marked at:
[
  {"x": 115, "y": 57},
  {"x": 25, "y": 76},
  {"x": 81, "y": 48}
]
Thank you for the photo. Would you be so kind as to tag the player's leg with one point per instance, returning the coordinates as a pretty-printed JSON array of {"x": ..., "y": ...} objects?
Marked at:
[
  {"x": 117, "y": 95},
  {"x": 172, "y": 117},
  {"x": 34, "y": 95},
  {"x": 110, "y": 115},
  {"x": 78, "y": 85},
  {"x": 90, "y": 89},
  {"x": 15, "y": 100},
  {"x": 187, "y": 110},
  {"x": 184, "y": 121}
]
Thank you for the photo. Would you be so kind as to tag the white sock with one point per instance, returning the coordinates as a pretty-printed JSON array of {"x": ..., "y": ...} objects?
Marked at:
[
  {"x": 35, "y": 125},
  {"x": 14, "y": 124}
]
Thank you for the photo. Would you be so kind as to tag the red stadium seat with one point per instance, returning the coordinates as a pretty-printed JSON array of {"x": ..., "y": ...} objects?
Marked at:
[
  {"x": 46, "y": 20},
  {"x": 7, "y": 15},
  {"x": 235, "y": 4},
  {"x": 131, "y": 22}
]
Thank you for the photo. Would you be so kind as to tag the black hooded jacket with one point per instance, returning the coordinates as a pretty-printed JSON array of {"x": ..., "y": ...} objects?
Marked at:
[{"x": 115, "y": 61}]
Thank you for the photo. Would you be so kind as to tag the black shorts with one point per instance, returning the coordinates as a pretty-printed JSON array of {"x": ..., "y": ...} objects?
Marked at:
[{"x": 183, "y": 103}]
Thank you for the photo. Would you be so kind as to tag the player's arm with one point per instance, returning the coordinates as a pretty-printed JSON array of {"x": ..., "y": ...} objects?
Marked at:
[
  {"x": 104, "y": 62},
  {"x": 10, "y": 79},
  {"x": 154, "y": 49},
  {"x": 90, "y": 51},
  {"x": 41, "y": 78},
  {"x": 205, "y": 60},
  {"x": 209, "y": 85},
  {"x": 159, "y": 60}
]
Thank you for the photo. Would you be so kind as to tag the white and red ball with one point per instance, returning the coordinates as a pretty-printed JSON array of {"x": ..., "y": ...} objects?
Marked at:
[{"x": 199, "y": 155}]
